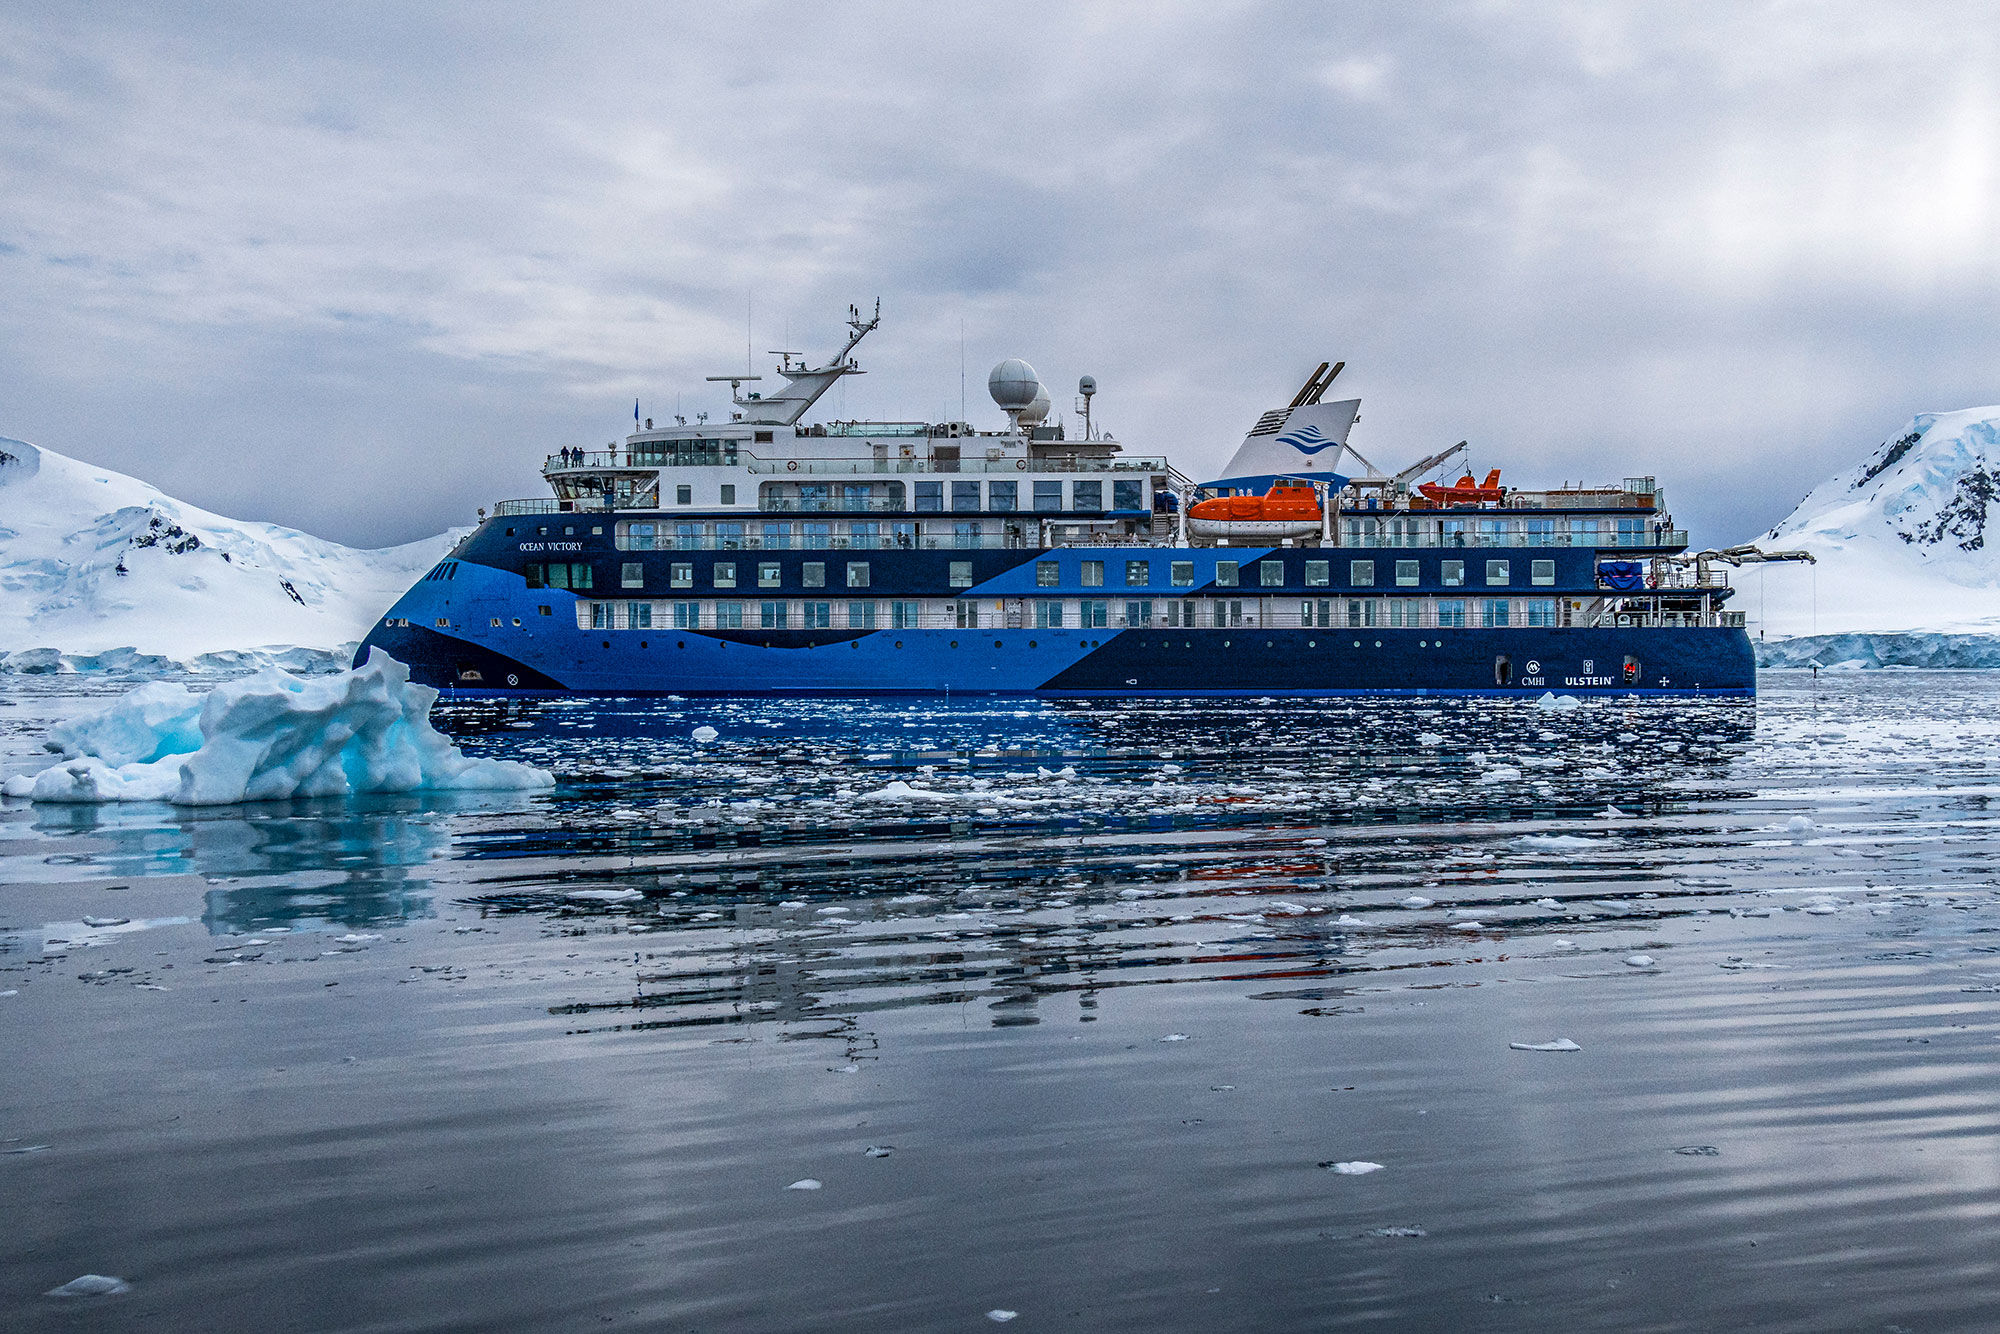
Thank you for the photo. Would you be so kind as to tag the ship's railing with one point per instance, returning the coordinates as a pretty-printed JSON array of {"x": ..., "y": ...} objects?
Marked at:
[
  {"x": 1670, "y": 576},
  {"x": 503, "y": 508},
  {"x": 830, "y": 542},
  {"x": 851, "y": 467},
  {"x": 1666, "y": 537}
]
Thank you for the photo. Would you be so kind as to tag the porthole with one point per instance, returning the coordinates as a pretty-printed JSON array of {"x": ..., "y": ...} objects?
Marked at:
[
  {"x": 1378, "y": 643},
  {"x": 1225, "y": 643},
  {"x": 954, "y": 643},
  {"x": 607, "y": 643},
  {"x": 996, "y": 643},
  {"x": 1423, "y": 643},
  {"x": 1312, "y": 643},
  {"x": 899, "y": 643},
  {"x": 854, "y": 643},
  {"x": 642, "y": 643},
  {"x": 1357, "y": 643},
  {"x": 1269, "y": 644},
  {"x": 1031, "y": 643},
  {"x": 681, "y": 643},
  {"x": 517, "y": 622}
]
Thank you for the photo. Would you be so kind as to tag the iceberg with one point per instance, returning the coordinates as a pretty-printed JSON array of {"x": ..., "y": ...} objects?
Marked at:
[{"x": 267, "y": 737}]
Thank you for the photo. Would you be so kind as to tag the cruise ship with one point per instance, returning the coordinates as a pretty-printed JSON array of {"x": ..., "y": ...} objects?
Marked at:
[{"x": 771, "y": 554}]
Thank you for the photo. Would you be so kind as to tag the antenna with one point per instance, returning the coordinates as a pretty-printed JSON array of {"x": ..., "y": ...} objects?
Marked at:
[{"x": 1338, "y": 367}]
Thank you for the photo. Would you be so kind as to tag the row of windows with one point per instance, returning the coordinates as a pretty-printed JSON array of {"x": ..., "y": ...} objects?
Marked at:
[
  {"x": 1048, "y": 574},
  {"x": 1081, "y": 613},
  {"x": 1319, "y": 573},
  {"x": 728, "y": 535}
]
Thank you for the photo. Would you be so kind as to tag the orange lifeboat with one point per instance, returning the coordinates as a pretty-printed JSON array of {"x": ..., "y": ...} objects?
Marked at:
[
  {"x": 1288, "y": 509},
  {"x": 1466, "y": 492}
]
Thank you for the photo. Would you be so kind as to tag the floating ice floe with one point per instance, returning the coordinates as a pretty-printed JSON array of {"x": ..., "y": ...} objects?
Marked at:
[
  {"x": 1404, "y": 1231},
  {"x": 704, "y": 733},
  {"x": 805, "y": 1183},
  {"x": 901, "y": 791},
  {"x": 1417, "y": 901},
  {"x": 267, "y": 737},
  {"x": 1558, "y": 842},
  {"x": 1550, "y": 702},
  {"x": 999, "y": 1316},
  {"x": 91, "y": 1285},
  {"x": 1355, "y": 1169},
  {"x": 1175, "y": 1037},
  {"x": 1559, "y": 1044},
  {"x": 1638, "y": 961},
  {"x": 1429, "y": 739}
]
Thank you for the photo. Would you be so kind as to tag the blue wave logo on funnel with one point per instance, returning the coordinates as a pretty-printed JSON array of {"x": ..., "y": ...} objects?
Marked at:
[{"x": 1308, "y": 440}]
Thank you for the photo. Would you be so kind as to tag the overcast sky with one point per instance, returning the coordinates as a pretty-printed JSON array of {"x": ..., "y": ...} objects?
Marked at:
[{"x": 357, "y": 268}]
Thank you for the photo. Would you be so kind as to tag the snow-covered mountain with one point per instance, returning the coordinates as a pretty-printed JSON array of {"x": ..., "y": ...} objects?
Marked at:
[
  {"x": 97, "y": 565},
  {"x": 1908, "y": 542}
]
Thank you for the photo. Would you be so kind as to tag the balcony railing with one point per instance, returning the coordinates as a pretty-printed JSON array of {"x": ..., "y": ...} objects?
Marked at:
[{"x": 847, "y": 467}]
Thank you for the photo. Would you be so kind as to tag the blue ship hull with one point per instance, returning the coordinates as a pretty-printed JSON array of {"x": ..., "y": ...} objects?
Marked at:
[{"x": 483, "y": 631}]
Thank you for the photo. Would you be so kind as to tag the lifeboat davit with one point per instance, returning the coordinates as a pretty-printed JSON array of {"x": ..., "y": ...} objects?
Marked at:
[
  {"x": 1288, "y": 509},
  {"x": 1467, "y": 492}
]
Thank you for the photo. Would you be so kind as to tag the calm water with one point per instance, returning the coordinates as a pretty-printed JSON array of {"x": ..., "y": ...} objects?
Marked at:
[{"x": 1070, "y": 1010}]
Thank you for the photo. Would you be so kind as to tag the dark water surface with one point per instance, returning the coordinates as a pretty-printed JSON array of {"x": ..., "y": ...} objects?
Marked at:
[{"x": 1114, "y": 986}]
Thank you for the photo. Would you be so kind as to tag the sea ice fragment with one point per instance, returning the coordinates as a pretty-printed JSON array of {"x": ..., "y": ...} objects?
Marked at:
[
  {"x": 1354, "y": 1169},
  {"x": 704, "y": 733},
  {"x": 1560, "y": 1044},
  {"x": 91, "y": 1285},
  {"x": 805, "y": 1183}
]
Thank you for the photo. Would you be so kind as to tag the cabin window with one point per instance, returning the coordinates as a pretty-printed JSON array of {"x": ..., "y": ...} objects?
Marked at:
[
  {"x": 1407, "y": 574},
  {"x": 729, "y": 493},
  {"x": 857, "y": 574},
  {"x": 777, "y": 536},
  {"x": 600, "y": 615},
  {"x": 1225, "y": 574},
  {"x": 1181, "y": 573},
  {"x": 1228, "y": 614},
  {"x": 966, "y": 615},
  {"x": 967, "y": 536},
  {"x": 687, "y": 616},
  {"x": 1138, "y": 573},
  {"x": 1003, "y": 496},
  {"x": 638, "y": 616},
  {"x": 1542, "y": 612},
  {"x": 1086, "y": 495},
  {"x": 775, "y": 615},
  {"x": 683, "y": 495},
  {"x": 930, "y": 497},
  {"x": 818, "y": 615},
  {"x": 1092, "y": 614},
  {"x": 861, "y": 616},
  {"x": 762, "y": 437},
  {"x": 904, "y": 615},
  {"x": 965, "y": 497},
  {"x": 728, "y": 616},
  {"x": 1493, "y": 613},
  {"x": 723, "y": 574},
  {"x": 1093, "y": 574},
  {"x": 768, "y": 575},
  {"x": 1496, "y": 572},
  {"x": 1451, "y": 573},
  {"x": 1048, "y": 614},
  {"x": 1361, "y": 612},
  {"x": 1319, "y": 573},
  {"x": 1451, "y": 614},
  {"x": 632, "y": 574},
  {"x": 1318, "y": 612},
  {"x": 678, "y": 575},
  {"x": 1047, "y": 574},
  {"x": 1048, "y": 497},
  {"x": 1405, "y": 613},
  {"x": 1138, "y": 614},
  {"x": 1271, "y": 573},
  {"x": 813, "y": 574},
  {"x": 635, "y": 536},
  {"x": 1542, "y": 572},
  {"x": 729, "y": 537},
  {"x": 1360, "y": 573},
  {"x": 1128, "y": 496},
  {"x": 961, "y": 574}
]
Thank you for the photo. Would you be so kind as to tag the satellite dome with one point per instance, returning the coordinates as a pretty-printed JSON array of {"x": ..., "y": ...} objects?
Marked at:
[
  {"x": 1013, "y": 384},
  {"x": 1037, "y": 411},
  {"x": 1087, "y": 385}
]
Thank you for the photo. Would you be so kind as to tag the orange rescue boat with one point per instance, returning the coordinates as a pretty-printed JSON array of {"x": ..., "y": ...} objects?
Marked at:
[
  {"x": 1288, "y": 509},
  {"x": 1467, "y": 492}
]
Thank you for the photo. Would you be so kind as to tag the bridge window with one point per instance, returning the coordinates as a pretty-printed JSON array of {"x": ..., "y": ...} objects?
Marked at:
[
  {"x": 1003, "y": 496},
  {"x": 1086, "y": 496},
  {"x": 1048, "y": 497},
  {"x": 1128, "y": 496},
  {"x": 930, "y": 497},
  {"x": 965, "y": 497}
]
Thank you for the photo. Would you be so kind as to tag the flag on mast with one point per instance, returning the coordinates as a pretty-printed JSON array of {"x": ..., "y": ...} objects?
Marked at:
[{"x": 635, "y": 412}]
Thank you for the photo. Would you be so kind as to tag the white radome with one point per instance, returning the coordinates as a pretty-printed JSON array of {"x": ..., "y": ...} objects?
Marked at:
[
  {"x": 1037, "y": 411},
  {"x": 1013, "y": 384}
]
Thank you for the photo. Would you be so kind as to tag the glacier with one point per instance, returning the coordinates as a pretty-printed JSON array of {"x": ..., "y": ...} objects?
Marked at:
[
  {"x": 266, "y": 737},
  {"x": 102, "y": 572},
  {"x": 1902, "y": 547}
]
